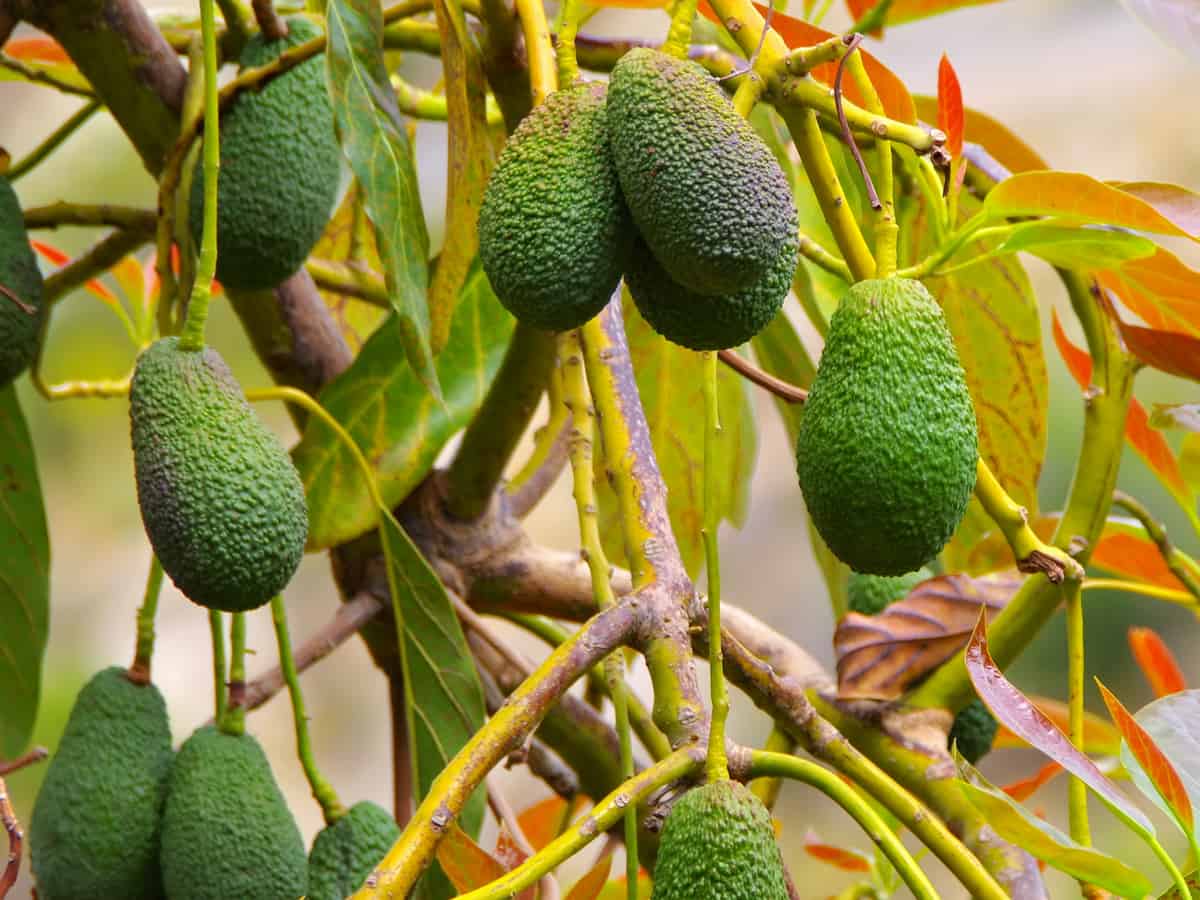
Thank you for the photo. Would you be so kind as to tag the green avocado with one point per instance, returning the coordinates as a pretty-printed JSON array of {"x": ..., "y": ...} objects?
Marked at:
[
  {"x": 221, "y": 501},
  {"x": 702, "y": 321},
  {"x": 974, "y": 731},
  {"x": 872, "y": 594},
  {"x": 705, "y": 192},
  {"x": 280, "y": 166},
  {"x": 344, "y": 853},
  {"x": 94, "y": 833},
  {"x": 21, "y": 279},
  {"x": 887, "y": 448},
  {"x": 554, "y": 232},
  {"x": 718, "y": 844},
  {"x": 227, "y": 831}
]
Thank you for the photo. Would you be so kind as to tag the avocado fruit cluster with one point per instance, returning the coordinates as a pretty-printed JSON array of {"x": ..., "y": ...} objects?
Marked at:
[
  {"x": 21, "y": 281},
  {"x": 887, "y": 449},
  {"x": 344, "y": 854},
  {"x": 654, "y": 176},
  {"x": 974, "y": 731},
  {"x": 221, "y": 501},
  {"x": 718, "y": 844},
  {"x": 280, "y": 166},
  {"x": 96, "y": 824}
]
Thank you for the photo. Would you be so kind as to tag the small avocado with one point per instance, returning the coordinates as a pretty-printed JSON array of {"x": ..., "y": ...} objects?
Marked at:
[
  {"x": 344, "y": 853},
  {"x": 872, "y": 594},
  {"x": 706, "y": 193},
  {"x": 20, "y": 290},
  {"x": 95, "y": 828},
  {"x": 280, "y": 167},
  {"x": 554, "y": 231},
  {"x": 718, "y": 844},
  {"x": 227, "y": 831},
  {"x": 888, "y": 445},
  {"x": 221, "y": 501},
  {"x": 974, "y": 731}
]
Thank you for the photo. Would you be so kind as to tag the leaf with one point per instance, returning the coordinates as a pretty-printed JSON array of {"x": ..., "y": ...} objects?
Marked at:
[
  {"x": 1016, "y": 712},
  {"x": 950, "y": 107},
  {"x": 396, "y": 422},
  {"x": 42, "y": 69},
  {"x": 377, "y": 147},
  {"x": 1015, "y": 824},
  {"x": 902, "y": 11},
  {"x": 1078, "y": 197},
  {"x": 1026, "y": 787},
  {"x": 839, "y": 858},
  {"x": 617, "y": 889},
  {"x": 466, "y": 864},
  {"x": 541, "y": 822},
  {"x": 879, "y": 656},
  {"x": 669, "y": 381},
  {"x": 1165, "y": 781},
  {"x": 1173, "y": 724},
  {"x": 93, "y": 286},
  {"x": 24, "y": 579},
  {"x": 1162, "y": 291},
  {"x": 1089, "y": 247},
  {"x": 781, "y": 353},
  {"x": 1100, "y": 738},
  {"x": 469, "y": 160},
  {"x": 1167, "y": 351},
  {"x": 590, "y": 885},
  {"x": 1176, "y": 415},
  {"x": 41, "y": 48},
  {"x": 510, "y": 856},
  {"x": 1156, "y": 661},
  {"x": 1173, "y": 202},
  {"x": 997, "y": 139}
]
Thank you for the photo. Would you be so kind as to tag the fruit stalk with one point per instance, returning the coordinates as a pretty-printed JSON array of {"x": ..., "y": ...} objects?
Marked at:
[
  {"x": 140, "y": 670},
  {"x": 234, "y": 720},
  {"x": 679, "y": 35},
  {"x": 568, "y": 61},
  {"x": 1077, "y": 807},
  {"x": 717, "y": 765},
  {"x": 217, "y": 634},
  {"x": 886, "y": 230}
]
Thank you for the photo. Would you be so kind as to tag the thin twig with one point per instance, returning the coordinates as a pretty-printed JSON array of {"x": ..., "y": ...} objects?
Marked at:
[
  {"x": 752, "y": 373},
  {"x": 273, "y": 27},
  {"x": 852, "y": 42},
  {"x": 1157, "y": 532},
  {"x": 37, "y": 754},
  {"x": 532, "y": 489},
  {"x": 15, "y": 840},
  {"x": 24, "y": 307}
]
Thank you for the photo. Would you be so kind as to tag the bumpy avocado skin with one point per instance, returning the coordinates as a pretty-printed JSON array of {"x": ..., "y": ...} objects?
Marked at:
[
  {"x": 554, "y": 231},
  {"x": 887, "y": 448},
  {"x": 872, "y": 594},
  {"x": 221, "y": 501},
  {"x": 280, "y": 164},
  {"x": 20, "y": 275},
  {"x": 94, "y": 833},
  {"x": 705, "y": 192},
  {"x": 708, "y": 322},
  {"x": 344, "y": 853},
  {"x": 718, "y": 844},
  {"x": 227, "y": 831},
  {"x": 974, "y": 731}
]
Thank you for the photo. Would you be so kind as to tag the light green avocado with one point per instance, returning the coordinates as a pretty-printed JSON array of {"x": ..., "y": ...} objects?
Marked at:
[
  {"x": 227, "y": 831},
  {"x": 21, "y": 280},
  {"x": 94, "y": 832},
  {"x": 706, "y": 193},
  {"x": 872, "y": 594},
  {"x": 280, "y": 166},
  {"x": 888, "y": 444},
  {"x": 554, "y": 232},
  {"x": 220, "y": 498},
  {"x": 344, "y": 853},
  {"x": 718, "y": 844}
]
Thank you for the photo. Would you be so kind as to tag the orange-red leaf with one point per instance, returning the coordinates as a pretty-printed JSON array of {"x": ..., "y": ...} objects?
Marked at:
[
  {"x": 1099, "y": 736},
  {"x": 590, "y": 885},
  {"x": 910, "y": 10},
  {"x": 1024, "y": 788},
  {"x": 1167, "y": 351},
  {"x": 950, "y": 106},
  {"x": 540, "y": 823},
  {"x": 1152, "y": 760},
  {"x": 1134, "y": 556},
  {"x": 1162, "y": 291},
  {"x": 41, "y": 48},
  {"x": 838, "y": 857},
  {"x": 466, "y": 864},
  {"x": 93, "y": 286},
  {"x": 1156, "y": 661},
  {"x": 1078, "y": 360},
  {"x": 1001, "y": 142}
]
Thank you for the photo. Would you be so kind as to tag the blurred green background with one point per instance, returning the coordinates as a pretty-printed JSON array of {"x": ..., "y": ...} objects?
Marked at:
[{"x": 1083, "y": 82}]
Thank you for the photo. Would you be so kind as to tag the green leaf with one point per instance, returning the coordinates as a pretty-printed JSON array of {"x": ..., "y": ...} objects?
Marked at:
[
  {"x": 781, "y": 353},
  {"x": 377, "y": 146},
  {"x": 669, "y": 381},
  {"x": 1017, "y": 825},
  {"x": 1083, "y": 248},
  {"x": 443, "y": 697},
  {"x": 24, "y": 579},
  {"x": 396, "y": 422}
]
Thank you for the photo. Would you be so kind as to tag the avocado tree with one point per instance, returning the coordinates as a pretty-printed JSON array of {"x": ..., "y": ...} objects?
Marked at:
[{"x": 694, "y": 202}]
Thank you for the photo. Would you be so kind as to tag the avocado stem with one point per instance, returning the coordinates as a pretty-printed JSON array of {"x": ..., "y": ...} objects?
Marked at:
[
  {"x": 140, "y": 670},
  {"x": 234, "y": 720},
  {"x": 218, "y": 652},
  {"x": 717, "y": 765},
  {"x": 568, "y": 62},
  {"x": 679, "y": 35}
]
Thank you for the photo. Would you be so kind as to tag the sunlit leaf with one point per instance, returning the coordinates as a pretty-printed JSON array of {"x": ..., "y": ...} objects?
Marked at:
[
  {"x": 1167, "y": 351},
  {"x": 1156, "y": 661},
  {"x": 617, "y": 890},
  {"x": 510, "y": 855},
  {"x": 1016, "y": 712},
  {"x": 1162, "y": 291},
  {"x": 1003, "y": 144},
  {"x": 879, "y": 656},
  {"x": 376, "y": 144},
  {"x": 541, "y": 822},
  {"x": 1042, "y": 840},
  {"x": 1173, "y": 202},
  {"x": 466, "y": 864},
  {"x": 590, "y": 886},
  {"x": 396, "y": 422},
  {"x": 838, "y": 857},
  {"x": 349, "y": 239},
  {"x": 1173, "y": 725},
  {"x": 1176, "y": 415},
  {"x": 1089, "y": 247},
  {"x": 902, "y": 11},
  {"x": 1025, "y": 788},
  {"x": 1165, "y": 783},
  {"x": 38, "y": 69},
  {"x": 1100, "y": 738},
  {"x": 39, "y": 47},
  {"x": 950, "y": 106},
  {"x": 24, "y": 579}
]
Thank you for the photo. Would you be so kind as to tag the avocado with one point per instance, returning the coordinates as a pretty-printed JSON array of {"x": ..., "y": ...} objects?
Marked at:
[
  {"x": 887, "y": 447},
  {"x": 718, "y": 844},
  {"x": 344, "y": 853},
  {"x": 974, "y": 731},
  {"x": 20, "y": 278},
  {"x": 554, "y": 231},
  {"x": 227, "y": 831},
  {"x": 221, "y": 501},
  {"x": 94, "y": 833},
  {"x": 704, "y": 321},
  {"x": 705, "y": 192},
  {"x": 872, "y": 594},
  {"x": 280, "y": 167}
]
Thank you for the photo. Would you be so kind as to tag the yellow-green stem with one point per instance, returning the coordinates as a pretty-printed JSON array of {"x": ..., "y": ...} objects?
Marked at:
[
  {"x": 331, "y": 808},
  {"x": 1183, "y": 598},
  {"x": 234, "y": 719},
  {"x": 679, "y": 35},
  {"x": 749, "y": 92},
  {"x": 192, "y": 337},
  {"x": 767, "y": 787},
  {"x": 1164, "y": 857},
  {"x": 538, "y": 48},
  {"x": 1077, "y": 809},
  {"x": 145, "y": 620},
  {"x": 568, "y": 62},
  {"x": 887, "y": 232},
  {"x": 217, "y": 635},
  {"x": 717, "y": 766}
]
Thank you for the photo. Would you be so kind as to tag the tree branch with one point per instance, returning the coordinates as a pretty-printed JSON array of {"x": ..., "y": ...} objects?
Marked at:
[
  {"x": 59, "y": 214},
  {"x": 15, "y": 840},
  {"x": 752, "y": 373}
]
